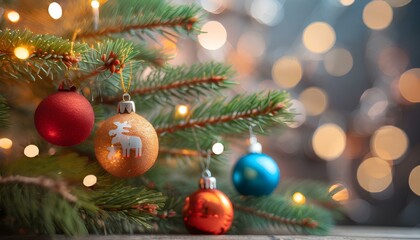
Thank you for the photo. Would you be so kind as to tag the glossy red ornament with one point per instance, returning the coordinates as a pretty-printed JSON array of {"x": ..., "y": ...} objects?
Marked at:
[
  {"x": 64, "y": 118},
  {"x": 207, "y": 211}
]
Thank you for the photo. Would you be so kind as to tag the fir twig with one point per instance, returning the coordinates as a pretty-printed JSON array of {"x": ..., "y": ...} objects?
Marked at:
[
  {"x": 239, "y": 113},
  {"x": 134, "y": 17},
  {"x": 306, "y": 222}
]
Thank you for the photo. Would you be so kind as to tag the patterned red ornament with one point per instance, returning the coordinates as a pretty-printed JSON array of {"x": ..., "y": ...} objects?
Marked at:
[
  {"x": 64, "y": 118},
  {"x": 208, "y": 210}
]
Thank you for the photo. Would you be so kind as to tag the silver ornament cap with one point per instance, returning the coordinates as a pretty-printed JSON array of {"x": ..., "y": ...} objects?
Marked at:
[
  {"x": 207, "y": 181},
  {"x": 126, "y": 105},
  {"x": 254, "y": 145}
]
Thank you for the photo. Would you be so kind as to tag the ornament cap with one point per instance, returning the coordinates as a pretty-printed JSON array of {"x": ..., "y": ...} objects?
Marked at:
[
  {"x": 254, "y": 146},
  {"x": 207, "y": 181},
  {"x": 126, "y": 106}
]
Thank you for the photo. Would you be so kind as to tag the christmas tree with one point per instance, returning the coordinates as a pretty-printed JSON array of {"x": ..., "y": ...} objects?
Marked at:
[{"x": 106, "y": 180}]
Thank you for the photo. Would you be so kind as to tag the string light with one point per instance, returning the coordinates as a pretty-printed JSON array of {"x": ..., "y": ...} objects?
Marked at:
[
  {"x": 6, "y": 143},
  {"x": 55, "y": 10},
  {"x": 315, "y": 100},
  {"x": 21, "y": 53},
  {"x": 299, "y": 198},
  {"x": 13, "y": 16},
  {"x": 181, "y": 110},
  {"x": 409, "y": 85},
  {"x": 414, "y": 180},
  {"x": 217, "y": 148},
  {"x": 346, "y": 2},
  {"x": 90, "y": 180},
  {"x": 31, "y": 151},
  {"x": 338, "y": 62},
  {"x": 94, "y": 4}
]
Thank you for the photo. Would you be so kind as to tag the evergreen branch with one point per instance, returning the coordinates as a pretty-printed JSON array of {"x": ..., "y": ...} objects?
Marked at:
[
  {"x": 276, "y": 211},
  {"x": 4, "y": 113},
  {"x": 161, "y": 85},
  {"x": 134, "y": 17},
  {"x": 34, "y": 205},
  {"x": 235, "y": 116},
  {"x": 49, "y": 56},
  {"x": 59, "y": 187},
  {"x": 306, "y": 222}
]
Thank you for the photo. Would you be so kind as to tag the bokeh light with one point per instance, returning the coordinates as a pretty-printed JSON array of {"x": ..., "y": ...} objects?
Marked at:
[
  {"x": 213, "y": 6},
  {"x": 315, "y": 100},
  {"x": 55, "y": 11},
  {"x": 338, "y": 62},
  {"x": 169, "y": 47},
  {"x": 217, "y": 148},
  {"x": 90, "y": 180},
  {"x": 414, "y": 180},
  {"x": 182, "y": 110},
  {"x": 268, "y": 12},
  {"x": 346, "y": 2},
  {"x": 339, "y": 192},
  {"x": 374, "y": 175},
  {"x": 21, "y": 53},
  {"x": 31, "y": 151},
  {"x": 389, "y": 142},
  {"x": 251, "y": 43},
  {"x": 409, "y": 85},
  {"x": 13, "y": 16},
  {"x": 94, "y": 4},
  {"x": 287, "y": 72},
  {"x": 318, "y": 37},
  {"x": 398, "y": 3},
  {"x": 377, "y": 15},
  {"x": 214, "y": 35},
  {"x": 299, "y": 198},
  {"x": 6, "y": 143},
  {"x": 329, "y": 141}
]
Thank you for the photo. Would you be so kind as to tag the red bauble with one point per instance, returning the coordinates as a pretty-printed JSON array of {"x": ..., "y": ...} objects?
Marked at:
[
  {"x": 64, "y": 118},
  {"x": 208, "y": 211}
]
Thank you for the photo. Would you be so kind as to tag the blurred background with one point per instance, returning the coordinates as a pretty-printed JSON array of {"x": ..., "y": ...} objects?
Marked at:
[{"x": 351, "y": 70}]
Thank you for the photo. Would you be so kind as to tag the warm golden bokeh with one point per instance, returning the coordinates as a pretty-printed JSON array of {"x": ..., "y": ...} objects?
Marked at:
[
  {"x": 315, "y": 100},
  {"x": 338, "y": 62},
  {"x": 389, "y": 142},
  {"x": 13, "y": 16},
  {"x": 214, "y": 35},
  {"x": 287, "y": 72},
  {"x": 90, "y": 180},
  {"x": 346, "y": 2},
  {"x": 6, "y": 143},
  {"x": 217, "y": 148},
  {"x": 318, "y": 37},
  {"x": 298, "y": 198},
  {"x": 409, "y": 85},
  {"x": 339, "y": 192},
  {"x": 374, "y": 174},
  {"x": 31, "y": 151},
  {"x": 21, "y": 53},
  {"x": 329, "y": 141},
  {"x": 55, "y": 10},
  {"x": 414, "y": 180},
  {"x": 377, "y": 15}
]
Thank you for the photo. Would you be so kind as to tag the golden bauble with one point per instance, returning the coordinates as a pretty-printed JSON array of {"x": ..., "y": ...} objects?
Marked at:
[{"x": 126, "y": 145}]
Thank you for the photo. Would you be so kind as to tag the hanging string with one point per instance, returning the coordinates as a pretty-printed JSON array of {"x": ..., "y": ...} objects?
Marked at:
[
  {"x": 73, "y": 39},
  {"x": 125, "y": 90}
]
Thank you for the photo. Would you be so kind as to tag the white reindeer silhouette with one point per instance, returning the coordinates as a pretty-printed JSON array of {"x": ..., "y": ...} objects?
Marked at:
[{"x": 127, "y": 142}]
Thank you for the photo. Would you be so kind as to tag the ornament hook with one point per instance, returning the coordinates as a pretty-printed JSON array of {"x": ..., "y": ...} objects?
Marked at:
[{"x": 254, "y": 145}]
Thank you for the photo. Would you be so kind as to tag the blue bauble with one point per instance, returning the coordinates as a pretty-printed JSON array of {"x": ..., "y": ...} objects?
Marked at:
[{"x": 256, "y": 174}]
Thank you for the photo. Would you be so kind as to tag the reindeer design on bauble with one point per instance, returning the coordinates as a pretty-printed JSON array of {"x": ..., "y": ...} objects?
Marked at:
[{"x": 127, "y": 142}]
